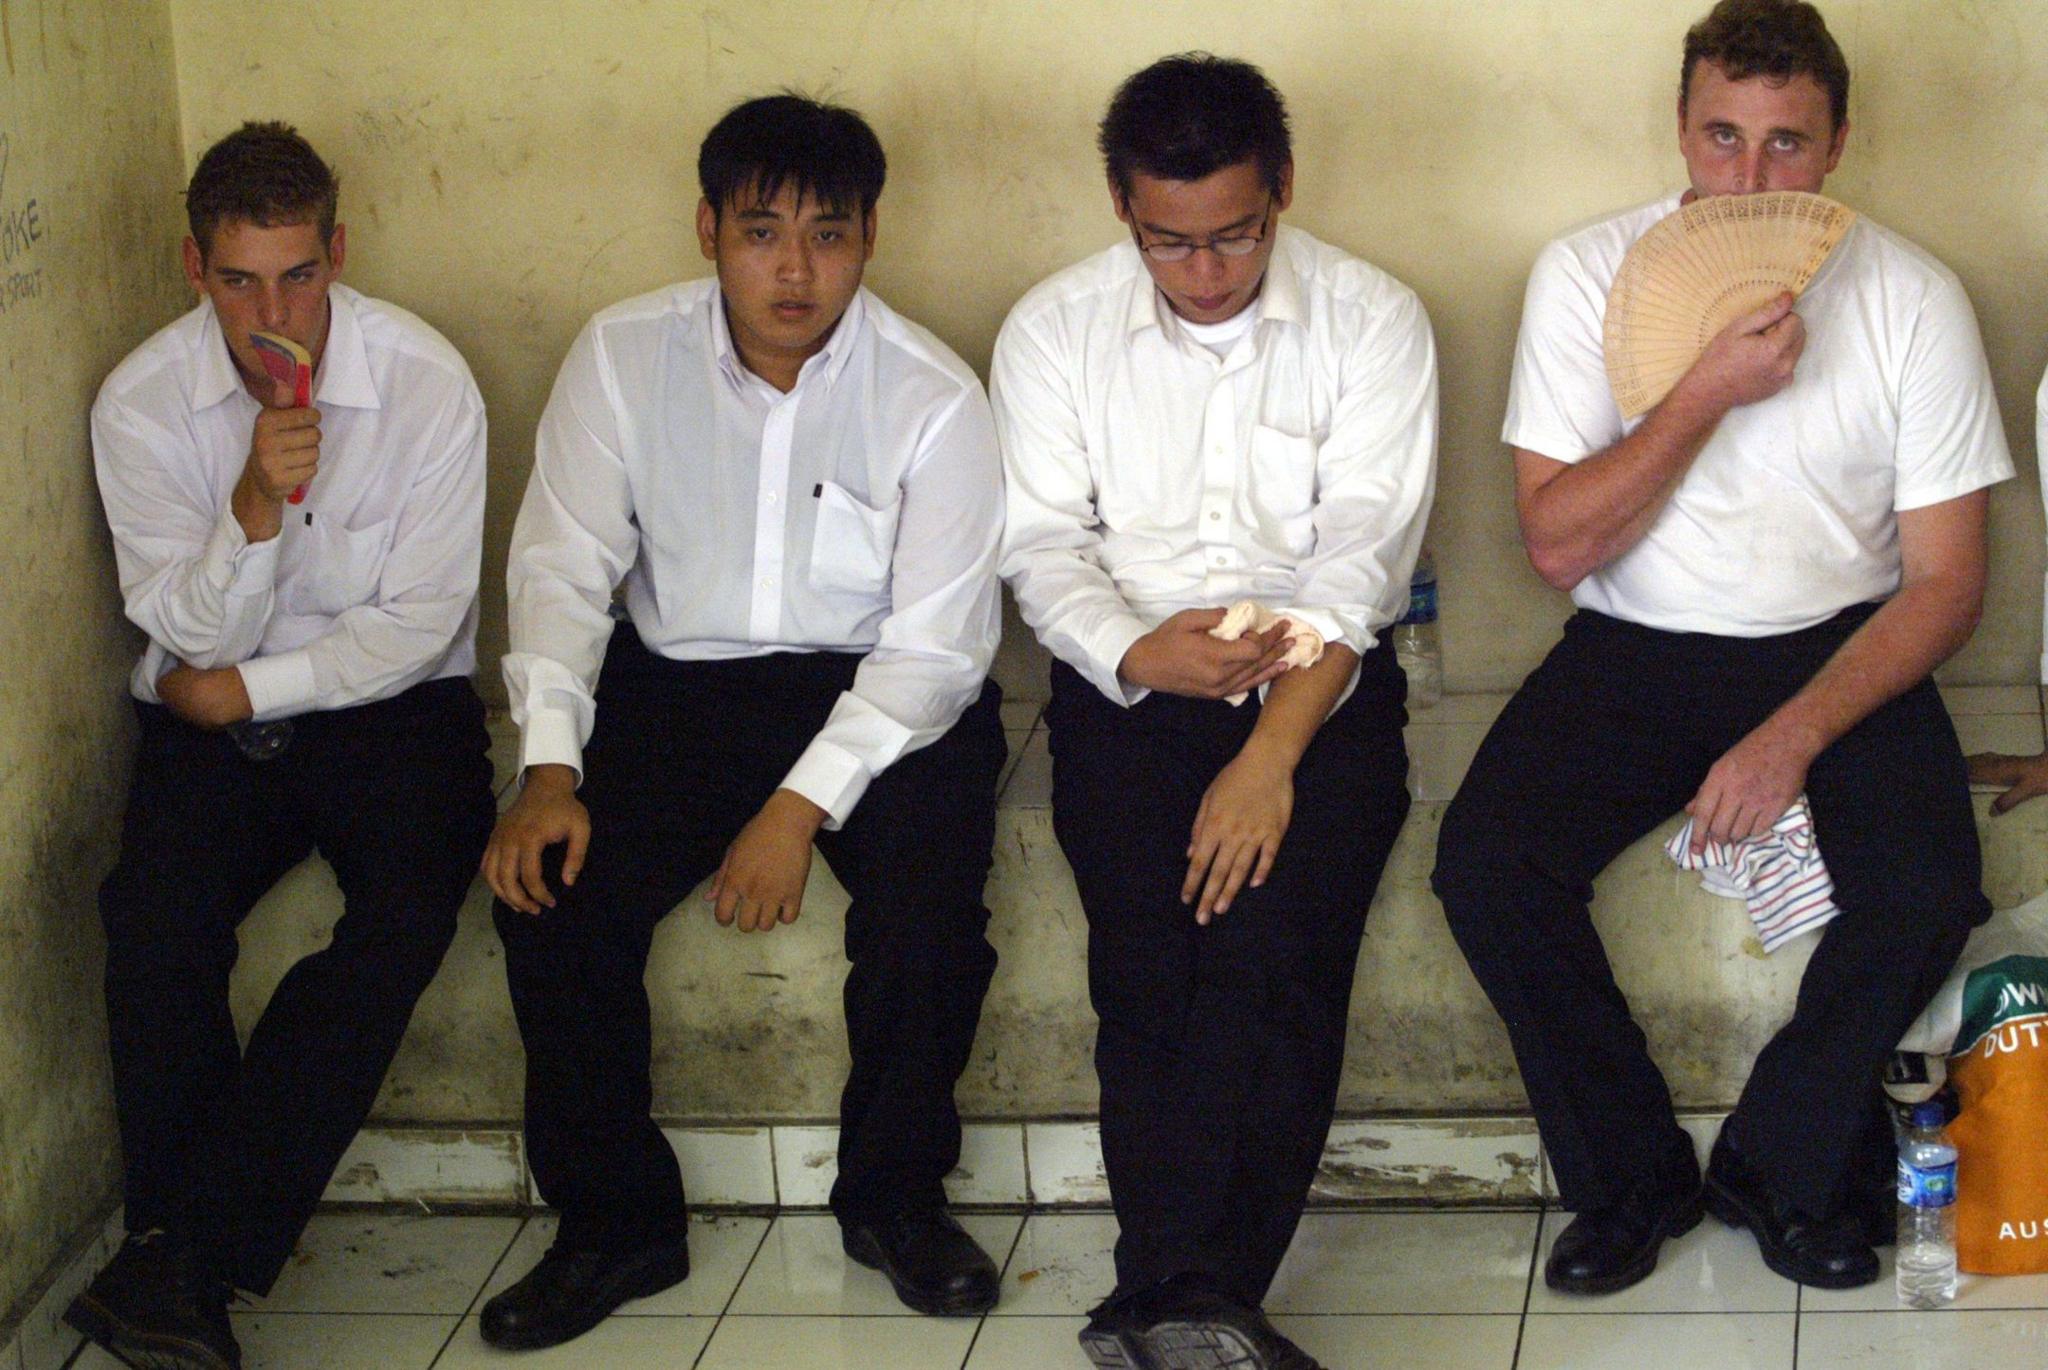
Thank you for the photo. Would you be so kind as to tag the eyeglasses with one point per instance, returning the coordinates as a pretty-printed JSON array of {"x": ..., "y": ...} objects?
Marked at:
[{"x": 1239, "y": 245}]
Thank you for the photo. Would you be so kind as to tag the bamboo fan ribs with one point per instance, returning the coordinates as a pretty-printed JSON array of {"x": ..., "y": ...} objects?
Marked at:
[{"x": 1699, "y": 270}]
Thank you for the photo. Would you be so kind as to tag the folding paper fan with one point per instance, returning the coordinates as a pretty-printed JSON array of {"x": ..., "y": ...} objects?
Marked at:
[{"x": 1700, "y": 269}]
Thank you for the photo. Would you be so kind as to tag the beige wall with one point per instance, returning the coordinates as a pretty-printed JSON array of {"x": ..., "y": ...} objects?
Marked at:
[
  {"x": 511, "y": 165},
  {"x": 89, "y": 176}
]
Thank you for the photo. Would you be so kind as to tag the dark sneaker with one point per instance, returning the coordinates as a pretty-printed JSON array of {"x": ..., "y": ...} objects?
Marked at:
[
  {"x": 569, "y": 1292},
  {"x": 1830, "y": 1252},
  {"x": 1188, "y": 1323},
  {"x": 1114, "y": 1339},
  {"x": 931, "y": 1262},
  {"x": 157, "y": 1307}
]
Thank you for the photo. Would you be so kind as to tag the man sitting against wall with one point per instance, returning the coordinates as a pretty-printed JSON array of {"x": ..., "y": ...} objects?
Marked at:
[
  {"x": 1220, "y": 410},
  {"x": 1766, "y": 567},
  {"x": 799, "y": 490},
  {"x": 306, "y": 576}
]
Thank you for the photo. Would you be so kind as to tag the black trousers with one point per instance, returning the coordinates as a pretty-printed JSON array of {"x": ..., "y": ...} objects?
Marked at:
[
  {"x": 1611, "y": 735},
  {"x": 1218, "y": 1048},
  {"x": 683, "y": 755},
  {"x": 233, "y": 1147}
]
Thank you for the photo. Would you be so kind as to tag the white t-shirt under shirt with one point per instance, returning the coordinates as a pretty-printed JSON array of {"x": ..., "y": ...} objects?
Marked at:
[
  {"x": 1221, "y": 337},
  {"x": 1787, "y": 516}
]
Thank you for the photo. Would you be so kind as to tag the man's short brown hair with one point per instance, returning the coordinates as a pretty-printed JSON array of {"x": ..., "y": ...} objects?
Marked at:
[
  {"x": 264, "y": 174},
  {"x": 1774, "y": 39}
]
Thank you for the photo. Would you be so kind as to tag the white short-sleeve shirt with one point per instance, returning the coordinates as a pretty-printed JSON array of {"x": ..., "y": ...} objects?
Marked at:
[{"x": 1788, "y": 515}]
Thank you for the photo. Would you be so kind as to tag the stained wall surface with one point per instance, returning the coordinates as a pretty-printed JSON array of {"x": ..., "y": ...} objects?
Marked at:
[
  {"x": 510, "y": 166},
  {"x": 89, "y": 217}
]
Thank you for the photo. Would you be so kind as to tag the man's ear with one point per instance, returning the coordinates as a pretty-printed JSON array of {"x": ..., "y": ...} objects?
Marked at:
[
  {"x": 195, "y": 264},
  {"x": 337, "y": 247},
  {"x": 1284, "y": 196},
  {"x": 707, "y": 230},
  {"x": 867, "y": 233},
  {"x": 1119, "y": 202}
]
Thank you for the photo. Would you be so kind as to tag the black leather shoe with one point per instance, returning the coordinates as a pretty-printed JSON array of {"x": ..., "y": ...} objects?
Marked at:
[
  {"x": 156, "y": 1305},
  {"x": 1191, "y": 1325},
  {"x": 1827, "y": 1253},
  {"x": 931, "y": 1262},
  {"x": 1605, "y": 1249},
  {"x": 570, "y": 1292}
]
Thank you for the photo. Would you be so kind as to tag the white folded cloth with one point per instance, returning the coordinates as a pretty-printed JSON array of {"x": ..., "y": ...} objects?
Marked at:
[
  {"x": 1247, "y": 617},
  {"x": 1778, "y": 874}
]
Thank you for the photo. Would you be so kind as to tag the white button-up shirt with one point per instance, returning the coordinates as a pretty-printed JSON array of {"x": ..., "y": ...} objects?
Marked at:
[
  {"x": 1147, "y": 475},
  {"x": 859, "y": 512},
  {"x": 370, "y": 587}
]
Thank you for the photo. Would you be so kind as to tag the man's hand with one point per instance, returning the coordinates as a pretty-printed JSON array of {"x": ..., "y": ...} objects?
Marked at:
[
  {"x": 1751, "y": 359},
  {"x": 547, "y": 811},
  {"x": 1181, "y": 658},
  {"x": 1244, "y": 814},
  {"x": 2023, "y": 776},
  {"x": 284, "y": 453},
  {"x": 205, "y": 698},
  {"x": 761, "y": 881},
  {"x": 1751, "y": 786}
]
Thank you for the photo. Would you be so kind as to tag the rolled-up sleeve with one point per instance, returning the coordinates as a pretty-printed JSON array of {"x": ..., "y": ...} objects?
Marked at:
[{"x": 1375, "y": 478}]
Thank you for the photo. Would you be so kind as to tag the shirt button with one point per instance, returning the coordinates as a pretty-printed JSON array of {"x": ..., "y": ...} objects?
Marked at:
[
  {"x": 771, "y": 497},
  {"x": 768, "y": 582},
  {"x": 1214, "y": 515}
]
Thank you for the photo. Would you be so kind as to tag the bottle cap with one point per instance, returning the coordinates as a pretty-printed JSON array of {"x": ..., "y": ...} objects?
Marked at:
[{"x": 1929, "y": 1114}]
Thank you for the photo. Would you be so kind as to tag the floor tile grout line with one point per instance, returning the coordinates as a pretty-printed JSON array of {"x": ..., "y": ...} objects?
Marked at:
[
  {"x": 760, "y": 1244},
  {"x": 489, "y": 1275},
  {"x": 1016, "y": 1240},
  {"x": 1529, "y": 1284}
]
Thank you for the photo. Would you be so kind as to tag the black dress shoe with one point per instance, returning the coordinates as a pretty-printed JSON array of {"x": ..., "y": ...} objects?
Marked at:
[
  {"x": 1605, "y": 1249},
  {"x": 931, "y": 1262},
  {"x": 1832, "y": 1252},
  {"x": 570, "y": 1292},
  {"x": 156, "y": 1305},
  {"x": 1191, "y": 1325}
]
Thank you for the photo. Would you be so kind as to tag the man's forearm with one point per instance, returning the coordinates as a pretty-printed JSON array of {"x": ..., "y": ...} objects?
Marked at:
[
  {"x": 1296, "y": 704},
  {"x": 1578, "y": 519},
  {"x": 1920, "y": 627}
]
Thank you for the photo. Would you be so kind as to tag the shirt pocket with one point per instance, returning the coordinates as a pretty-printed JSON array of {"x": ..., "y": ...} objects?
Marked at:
[
  {"x": 340, "y": 567},
  {"x": 854, "y": 543},
  {"x": 1280, "y": 495}
]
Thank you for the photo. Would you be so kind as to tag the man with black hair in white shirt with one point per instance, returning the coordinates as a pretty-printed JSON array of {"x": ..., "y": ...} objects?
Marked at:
[
  {"x": 1219, "y": 410},
  {"x": 800, "y": 492},
  {"x": 306, "y": 577},
  {"x": 1767, "y": 566}
]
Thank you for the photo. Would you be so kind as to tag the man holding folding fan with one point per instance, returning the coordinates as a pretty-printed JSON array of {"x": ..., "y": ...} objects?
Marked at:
[
  {"x": 306, "y": 577},
  {"x": 1767, "y": 566}
]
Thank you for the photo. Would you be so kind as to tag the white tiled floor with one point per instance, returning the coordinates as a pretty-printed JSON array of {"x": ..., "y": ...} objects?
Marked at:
[{"x": 1449, "y": 1290}]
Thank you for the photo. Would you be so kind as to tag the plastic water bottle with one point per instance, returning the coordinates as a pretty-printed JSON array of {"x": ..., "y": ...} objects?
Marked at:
[
  {"x": 1927, "y": 1211},
  {"x": 1415, "y": 638}
]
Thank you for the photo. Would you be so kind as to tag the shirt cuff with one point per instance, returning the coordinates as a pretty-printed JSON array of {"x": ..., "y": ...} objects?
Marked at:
[
  {"x": 1105, "y": 649},
  {"x": 279, "y": 686},
  {"x": 832, "y": 778},
  {"x": 549, "y": 739}
]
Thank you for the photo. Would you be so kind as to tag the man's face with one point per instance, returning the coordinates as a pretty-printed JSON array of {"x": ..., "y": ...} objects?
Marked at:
[
  {"x": 788, "y": 269},
  {"x": 274, "y": 279},
  {"x": 1234, "y": 202},
  {"x": 1741, "y": 137}
]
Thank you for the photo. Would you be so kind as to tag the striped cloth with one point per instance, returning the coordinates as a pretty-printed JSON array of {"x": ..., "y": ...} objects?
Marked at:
[{"x": 1778, "y": 874}]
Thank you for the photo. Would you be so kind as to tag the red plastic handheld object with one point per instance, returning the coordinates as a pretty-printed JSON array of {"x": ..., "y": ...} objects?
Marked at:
[{"x": 286, "y": 361}]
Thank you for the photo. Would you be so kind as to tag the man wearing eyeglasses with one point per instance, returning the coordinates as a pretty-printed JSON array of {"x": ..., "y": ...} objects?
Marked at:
[{"x": 1220, "y": 410}]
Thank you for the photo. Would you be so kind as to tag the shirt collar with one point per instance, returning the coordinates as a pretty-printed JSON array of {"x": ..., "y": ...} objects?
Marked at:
[
  {"x": 344, "y": 377},
  {"x": 826, "y": 365},
  {"x": 1279, "y": 295}
]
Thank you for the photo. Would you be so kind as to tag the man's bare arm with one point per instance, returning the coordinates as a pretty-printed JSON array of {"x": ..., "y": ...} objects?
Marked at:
[
  {"x": 1576, "y": 518},
  {"x": 1940, "y": 598}
]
